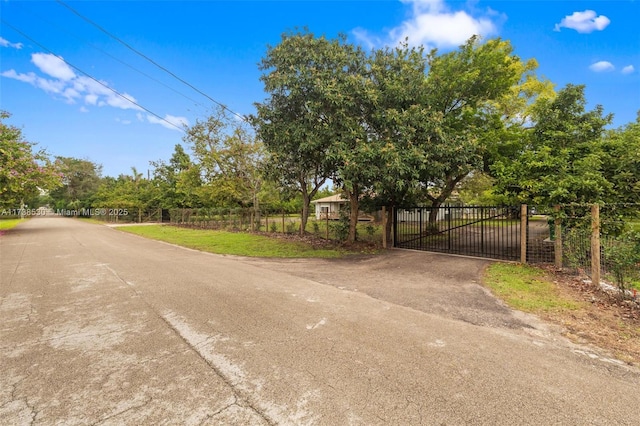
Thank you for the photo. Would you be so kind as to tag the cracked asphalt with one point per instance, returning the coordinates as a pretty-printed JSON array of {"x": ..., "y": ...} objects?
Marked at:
[{"x": 99, "y": 327}]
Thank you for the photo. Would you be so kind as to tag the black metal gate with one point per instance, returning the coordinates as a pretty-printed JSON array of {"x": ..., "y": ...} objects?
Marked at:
[{"x": 491, "y": 232}]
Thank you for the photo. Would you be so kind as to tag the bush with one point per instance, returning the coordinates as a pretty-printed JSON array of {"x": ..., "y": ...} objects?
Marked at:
[
  {"x": 292, "y": 227},
  {"x": 274, "y": 227},
  {"x": 622, "y": 259},
  {"x": 340, "y": 228}
]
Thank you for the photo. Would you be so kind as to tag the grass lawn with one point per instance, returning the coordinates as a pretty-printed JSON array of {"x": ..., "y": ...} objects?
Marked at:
[
  {"x": 235, "y": 243},
  {"x": 9, "y": 223},
  {"x": 635, "y": 226},
  {"x": 525, "y": 288}
]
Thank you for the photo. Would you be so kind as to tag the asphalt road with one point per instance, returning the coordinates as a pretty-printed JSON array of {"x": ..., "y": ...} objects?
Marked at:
[{"x": 102, "y": 327}]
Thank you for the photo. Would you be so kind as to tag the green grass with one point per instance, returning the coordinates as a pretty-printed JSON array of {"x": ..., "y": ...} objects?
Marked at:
[
  {"x": 525, "y": 288},
  {"x": 9, "y": 223},
  {"x": 235, "y": 243},
  {"x": 635, "y": 226}
]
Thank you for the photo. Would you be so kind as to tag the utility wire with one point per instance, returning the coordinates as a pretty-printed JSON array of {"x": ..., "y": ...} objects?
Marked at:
[
  {"x": 89, "y": 75},
  {"x": 137, "y": 52},
  {"x": 113, "y": 57}
]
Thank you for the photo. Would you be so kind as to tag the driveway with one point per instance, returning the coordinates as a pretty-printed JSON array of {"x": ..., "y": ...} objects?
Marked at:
[
  {"x": 447, "y": 286},
  {"x": 103, "y": 327}
]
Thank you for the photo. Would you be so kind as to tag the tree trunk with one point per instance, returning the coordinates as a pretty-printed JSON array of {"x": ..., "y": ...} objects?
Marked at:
[
  {"x": 306, "y": 201},
  {"x": 353, "y": 215},
  {"x": 432, "y": 227},
  {"x": 389, "y": 224}
]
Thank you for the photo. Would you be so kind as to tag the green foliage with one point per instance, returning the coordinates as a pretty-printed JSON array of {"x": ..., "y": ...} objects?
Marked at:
[
  {"x": 340, "y": 228},
  {"x": 303, "y": 76},
  {"x": 478, "y": 189},
  {"x": 560, "y": 160},
  {"x": 23, "y": 172},
  {"x": 622, "y": 259},
  {"x": 620, "y": 156},
  {"x": 376, "y": 124},
  {"x": 178, "y": 181},
  {"x": 229, "y": 159},
  {"x": 80, "y": 182},
  {"x": 371, "y": 230}
]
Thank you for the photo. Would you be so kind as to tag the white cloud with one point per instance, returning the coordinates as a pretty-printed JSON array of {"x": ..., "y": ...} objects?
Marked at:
[
  {"x": 91, "y": 99},
  {"x": 180, "y": 122},
  {"x": 628, "y": 69},
  {"x": 125, "y": 101},
  {"x": 26, "y": 78},
  {"x": 584, "y": 22},
  {"x": 66, "y": 85},
  {"x": 50, "y": 86},
  {"x": 6, "y": 43},
  {"x": 433, "y": 24},
  {"x": 53, "y": 66},
  {"x": 125, "y": 122},
  {"x": 602, "y": 66}
]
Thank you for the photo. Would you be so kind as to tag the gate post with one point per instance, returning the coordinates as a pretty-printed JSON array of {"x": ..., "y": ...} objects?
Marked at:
[
  {"x": 395, "y": 226},
  {"x": 557, "y": 245},
  {"x": 384, "y": 227},
  {"x": 595, "y": 244},
  {"x": 524, "y": 211}
]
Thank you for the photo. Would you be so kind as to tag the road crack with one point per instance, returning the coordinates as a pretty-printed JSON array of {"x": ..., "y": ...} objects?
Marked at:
[{"x": 229, "y": 373}]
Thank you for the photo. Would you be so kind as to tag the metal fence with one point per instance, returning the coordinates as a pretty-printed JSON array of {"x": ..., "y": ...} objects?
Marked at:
[{"x": 482, "y": 231}]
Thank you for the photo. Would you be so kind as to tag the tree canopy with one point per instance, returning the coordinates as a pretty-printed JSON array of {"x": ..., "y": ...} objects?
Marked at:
[
  {"x": 23, "y": 172},
  {"x": 390, "y": 125},
  {"x": 560, "y": 159}
]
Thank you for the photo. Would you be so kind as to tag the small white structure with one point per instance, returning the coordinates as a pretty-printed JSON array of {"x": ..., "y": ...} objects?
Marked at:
[{"x": 329, "y": 207}]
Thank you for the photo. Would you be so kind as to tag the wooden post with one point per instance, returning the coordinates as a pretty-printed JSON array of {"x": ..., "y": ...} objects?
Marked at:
[
  {"x": 283, "y": 231},
  {"x": 267, "y": 222},
  {"x": 557, "y": 244},
  {"x": 384, "y": 227},
  {"x": 595, "y": 244},
  {"x": 524, "y": 211}
]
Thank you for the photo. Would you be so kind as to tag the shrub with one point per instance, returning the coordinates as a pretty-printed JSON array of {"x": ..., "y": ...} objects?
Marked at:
[{"x": 622, "y": 259}]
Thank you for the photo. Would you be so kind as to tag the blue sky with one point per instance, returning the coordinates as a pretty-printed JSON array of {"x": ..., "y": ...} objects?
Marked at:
[{"x": 215, "y": 46}]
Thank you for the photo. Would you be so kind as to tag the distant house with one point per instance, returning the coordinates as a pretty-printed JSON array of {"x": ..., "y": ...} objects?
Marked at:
[{"x": 331, "y": 206}]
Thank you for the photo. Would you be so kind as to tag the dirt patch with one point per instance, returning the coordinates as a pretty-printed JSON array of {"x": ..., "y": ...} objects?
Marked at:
[{"x": 604, "y": 320}]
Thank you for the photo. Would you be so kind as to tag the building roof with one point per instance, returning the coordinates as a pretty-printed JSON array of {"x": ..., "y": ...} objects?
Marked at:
[{"x": 338, "y": 198}]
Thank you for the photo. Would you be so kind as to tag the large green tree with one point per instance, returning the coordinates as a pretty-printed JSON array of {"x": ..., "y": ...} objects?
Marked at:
[
  {"x": 178, "y": 180},
  {"x": 621, "y": 163},
  {"x": 292, "y": 121},
  {"x": 560, "y": 159},
  {"x": 24, "y": 173},
  {"x": 229, "y": 158},
  {"x": 465, "y": 88},
  {"x": 80, "y": 181}
]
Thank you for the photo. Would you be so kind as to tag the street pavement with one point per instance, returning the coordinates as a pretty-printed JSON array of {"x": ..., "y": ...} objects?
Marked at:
[{"x": 100, "y": 327}]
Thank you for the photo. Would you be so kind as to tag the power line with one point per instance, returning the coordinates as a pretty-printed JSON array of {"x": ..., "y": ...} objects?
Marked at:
[
  {"x": 89, "y": 75},
  {"x": 114, "y": 58},
  {"x": 137, "y": 52}
]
